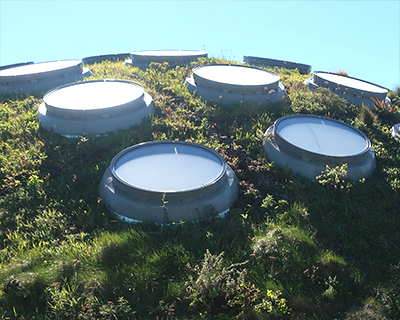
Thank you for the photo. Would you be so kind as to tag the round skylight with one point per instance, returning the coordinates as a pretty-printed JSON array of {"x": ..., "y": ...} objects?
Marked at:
[
  {"x": 94, "y": 107},
  {"x": 348, "y": 85},
  {"x": 229, "y": 84},
  {"x": 169, "y": 53},
  {"x": 100, "y": 97},
  {"x": 271, "y": 63},
  {"x": 166, "y": 167},
  {"x": 8, "y": 66},
  {"x": 308, "y": 143},
  {"x": 235, "y": 78},
  {"x": 142, "y": 59},
  {"x": 105, "y": 57},
  {"x": 43, "y": 69},
  {"x": 30, "y": 77},
  {"x": 188, "y": 178},
  {"x": 318, "y": 136}
]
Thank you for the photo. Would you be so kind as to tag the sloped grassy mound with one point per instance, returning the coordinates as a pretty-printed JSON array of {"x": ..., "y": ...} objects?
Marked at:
[{"x": 288, "y": 248}]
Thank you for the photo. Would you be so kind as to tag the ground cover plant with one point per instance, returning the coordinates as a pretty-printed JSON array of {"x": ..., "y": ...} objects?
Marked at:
[{"x": 289, "y": 247}]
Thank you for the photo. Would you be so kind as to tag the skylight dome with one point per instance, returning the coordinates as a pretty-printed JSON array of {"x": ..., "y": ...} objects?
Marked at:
[
  {"x": 142, "y": 59},
  {"x": 29, "y": 77},
  {"x": 105, "y": 57},
  {"x": 233, "y": 83},
  {"x": 354, "y": 90},
  {"x": 94, "y": 107},
  {"x": 308, "y": 143},
  {"x": 168, "y": 181},
  {"x": 271, "y": 63}
]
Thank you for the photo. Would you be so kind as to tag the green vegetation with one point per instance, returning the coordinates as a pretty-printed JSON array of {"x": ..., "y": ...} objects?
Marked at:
[{"x": 289, "y": 247}]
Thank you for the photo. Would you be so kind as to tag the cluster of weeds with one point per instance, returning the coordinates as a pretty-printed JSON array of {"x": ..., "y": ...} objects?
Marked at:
[
  {"x": 366, "y": 116},
  {"x": 222, "y": 291},
  {"x": 21, "y": 149},
  {"x": 321, "y": 102},
  {"x": 389, "y": 296},
  {"x": 335, "y": 177},
  {"x": 386, "y": 111},
  {"x": 394, "y": 96}
]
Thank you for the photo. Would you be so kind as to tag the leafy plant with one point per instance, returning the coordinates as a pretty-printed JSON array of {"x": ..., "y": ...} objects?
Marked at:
[
  {"x": 330, "y": 293},
  {"x": 394, "y": 96},
  {"x": 334, "y": 177},
  {"x": 386, "y": 111},
  {"x": 283, "y": 253},
  {"x": 215, "y": 287},
  {"x": 389, "y": 296},
  {"x": 218, "y": 289},
  {"x": 321, "y": 101},
  {"x": 273, "y": 304}
]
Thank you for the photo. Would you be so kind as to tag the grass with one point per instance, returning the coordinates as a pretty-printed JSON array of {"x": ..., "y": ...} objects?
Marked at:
[{"x": 289, "y": 247}]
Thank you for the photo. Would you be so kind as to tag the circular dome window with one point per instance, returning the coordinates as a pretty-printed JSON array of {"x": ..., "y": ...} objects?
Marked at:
[
  {"x": 271, "y": 63},
  {"x": 28, "y": 77},
  {"x": 234, "y": 83},
  {"x": 94, "y": 107},
  {"x": 168, "y": 181},
  {"x": 308, "y": 143},
  {"x": 354, "y": 90},
  {"x": 105, "y": 57},
  {"x": 8, "y": 66},
  {"x": 142, "y": 59}
]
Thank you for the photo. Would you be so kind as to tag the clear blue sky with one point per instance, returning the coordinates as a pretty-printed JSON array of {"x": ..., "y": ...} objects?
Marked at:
[{"x": 360, "y": 37}]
